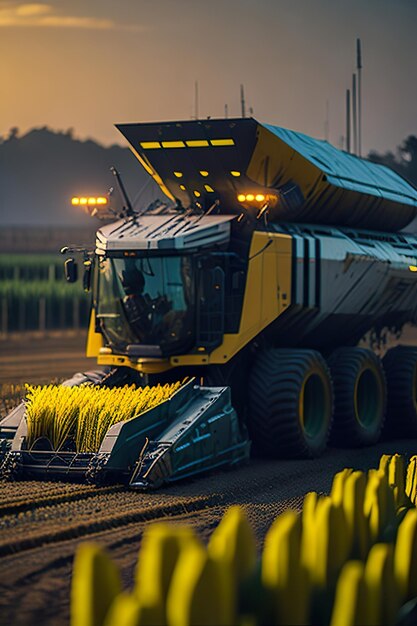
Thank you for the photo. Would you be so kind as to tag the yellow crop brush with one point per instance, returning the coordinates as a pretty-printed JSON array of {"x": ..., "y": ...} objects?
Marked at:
[{"x": 84, "y": 414}]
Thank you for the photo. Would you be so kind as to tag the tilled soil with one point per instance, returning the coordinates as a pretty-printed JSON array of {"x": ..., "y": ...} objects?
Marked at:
[
  {"x": 32, "y": 358},
  {"x": 41, "y": 524}
]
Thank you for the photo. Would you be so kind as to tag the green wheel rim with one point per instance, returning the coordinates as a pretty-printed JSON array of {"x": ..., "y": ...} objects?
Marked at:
[
  {"x": 314, "y": 405},
  {"x": 368, "y": 398}
]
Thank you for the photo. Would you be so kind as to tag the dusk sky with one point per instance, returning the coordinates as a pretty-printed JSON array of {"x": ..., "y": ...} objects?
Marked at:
[{"x": 89, "y": 64}]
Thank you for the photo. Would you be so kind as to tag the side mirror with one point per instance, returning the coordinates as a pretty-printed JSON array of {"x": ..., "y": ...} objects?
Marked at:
[{"x": 71, "y": 270}]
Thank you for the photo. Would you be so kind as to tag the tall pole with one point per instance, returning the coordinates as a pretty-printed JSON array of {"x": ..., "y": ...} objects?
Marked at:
[
  {"x": 347, "y": 120},
  {"x": 242, "y": 100},
  {"x": 196, "y": 100},
  {"x": 359, "y": 68},
  {"x": 226, "y": 111},
  {"x": 354, "y": 117},
  {"x": 327, "y": 123}
]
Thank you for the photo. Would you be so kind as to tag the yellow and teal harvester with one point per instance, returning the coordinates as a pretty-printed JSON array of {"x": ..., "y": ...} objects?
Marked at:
[{"x": 272, "y": 256}]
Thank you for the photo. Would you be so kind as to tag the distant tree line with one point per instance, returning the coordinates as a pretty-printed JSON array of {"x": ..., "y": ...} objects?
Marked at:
[
  {"x": 403, "y": 160},
  {"x": 41, "y": 170}
]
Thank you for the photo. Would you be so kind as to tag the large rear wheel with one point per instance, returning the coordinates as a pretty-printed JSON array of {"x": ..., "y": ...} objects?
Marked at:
[
  {"x": 360, "y": 397},
  {"x": 290, "y": 403},
  {"x": 400, "y": 365}
]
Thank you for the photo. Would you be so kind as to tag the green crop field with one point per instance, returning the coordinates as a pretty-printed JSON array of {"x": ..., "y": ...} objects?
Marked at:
[
  {"x": 35, "y": 296},
  {"x": 23, "y": 267}
]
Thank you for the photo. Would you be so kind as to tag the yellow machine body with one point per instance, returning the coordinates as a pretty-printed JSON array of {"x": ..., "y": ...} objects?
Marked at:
[{"x": 269, "y": 272}]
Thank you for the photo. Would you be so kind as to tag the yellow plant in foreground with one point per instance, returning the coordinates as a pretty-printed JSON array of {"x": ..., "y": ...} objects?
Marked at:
[
  {"x": 320, "y": 567},
  {"x": 85, "y": 413}
]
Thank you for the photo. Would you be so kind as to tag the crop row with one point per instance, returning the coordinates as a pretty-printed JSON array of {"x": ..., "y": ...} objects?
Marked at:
[
  {"x": 349, "y": 558},
  {"x": 40, "y": 305},
  {"x": 24, "y": 267},
  {"x": 82, "y": 415}
]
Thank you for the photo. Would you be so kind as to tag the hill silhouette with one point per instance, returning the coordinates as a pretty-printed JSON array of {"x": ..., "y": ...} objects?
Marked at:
[{"x": 43, "y": 169}]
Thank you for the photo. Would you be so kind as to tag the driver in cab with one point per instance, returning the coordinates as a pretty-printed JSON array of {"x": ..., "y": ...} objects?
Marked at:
[{"x": 144, "y": 313}]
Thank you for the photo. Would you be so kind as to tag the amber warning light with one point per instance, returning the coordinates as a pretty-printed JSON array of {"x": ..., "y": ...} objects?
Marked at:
[
  {"x": 89, "y": 201},
  {"x": 250, "y": 197}
]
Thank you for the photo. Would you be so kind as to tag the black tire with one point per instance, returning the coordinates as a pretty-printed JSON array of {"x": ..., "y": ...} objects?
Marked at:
[
  {"x": 400, "y": 365},
  {"x": 360, "y": 397},
  {"x": 290, "y": 403}
]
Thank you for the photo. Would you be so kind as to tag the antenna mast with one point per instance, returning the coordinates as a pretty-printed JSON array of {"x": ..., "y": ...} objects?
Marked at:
[
  {"x": 196, "y": 100},
  {"x": 347, "y": 120},
  {"x": 242, "y": 100},
  {"x": 359, "y": 68},
  {"x": 327, "y": 123},
  {"x": 354, "y": 116}
]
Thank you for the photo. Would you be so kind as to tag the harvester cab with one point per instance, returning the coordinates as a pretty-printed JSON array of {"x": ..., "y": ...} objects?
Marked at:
[{"x": 270, "y": 259}]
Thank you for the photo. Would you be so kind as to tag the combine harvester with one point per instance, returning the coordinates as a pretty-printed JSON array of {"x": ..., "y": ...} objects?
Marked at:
[{"x": 273, "y": 255}]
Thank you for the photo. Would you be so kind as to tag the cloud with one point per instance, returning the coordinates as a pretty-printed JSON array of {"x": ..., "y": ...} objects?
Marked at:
[
  {"x": 29, "y": 10},
  {"x": 44, "y": 15}
]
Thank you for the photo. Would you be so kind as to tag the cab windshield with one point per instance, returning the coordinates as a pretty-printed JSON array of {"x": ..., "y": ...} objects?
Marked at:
[{"x": 148, "y": 301}]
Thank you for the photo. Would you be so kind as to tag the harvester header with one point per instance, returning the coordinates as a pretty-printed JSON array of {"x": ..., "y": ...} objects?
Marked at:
[{"x": 244, "y": 164}]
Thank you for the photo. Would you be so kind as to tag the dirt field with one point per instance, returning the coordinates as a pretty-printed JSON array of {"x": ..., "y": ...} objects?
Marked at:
[
  {"x": 41, "y": 524},
  {"x": 36, "y": 359},
  {"x": 31, "y": 358}
]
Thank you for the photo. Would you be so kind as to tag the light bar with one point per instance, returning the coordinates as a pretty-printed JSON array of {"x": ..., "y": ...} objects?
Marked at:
[
  {"x": 197, "y": 143},
  {"x": 173, "y": 144},
  {"x": 250, "y": 197},
  {"x": 150, "y": 145},
  {"x": 189, "y": 143},
  {"x": 222, "y": 142},
  {"x": 90, "y": 201}
]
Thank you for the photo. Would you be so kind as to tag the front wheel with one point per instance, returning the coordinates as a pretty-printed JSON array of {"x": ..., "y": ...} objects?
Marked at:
[{"x": 290, "y": 403}]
